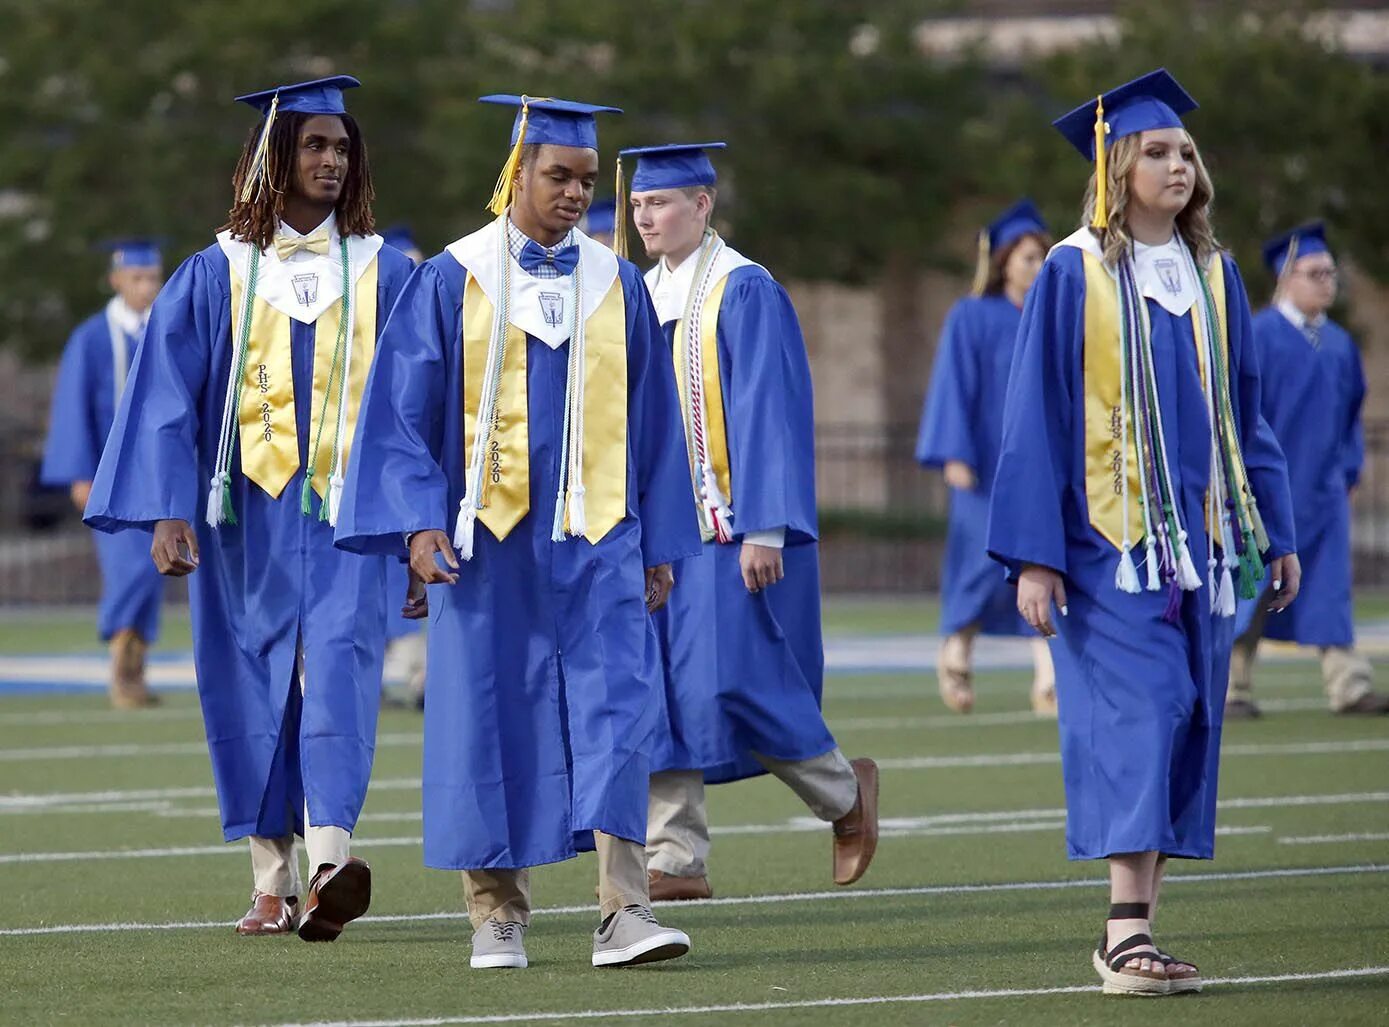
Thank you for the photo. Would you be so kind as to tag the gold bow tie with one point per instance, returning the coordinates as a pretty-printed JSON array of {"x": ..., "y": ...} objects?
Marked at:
[{"x": 287, "y": 246}]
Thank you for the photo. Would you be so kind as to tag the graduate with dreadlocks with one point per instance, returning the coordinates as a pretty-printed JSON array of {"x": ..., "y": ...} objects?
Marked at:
[
  {"x": 1138, "y": 491},
  {"x": 230, "y": 446}
]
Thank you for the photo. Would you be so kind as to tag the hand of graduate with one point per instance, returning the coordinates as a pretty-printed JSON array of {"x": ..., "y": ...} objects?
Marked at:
[
  {"x": 175, "y": 548},
  {"x": 423, "y": 546},
  {"x": 1038, "y": 588},
  {"x": 79, "y": 491},
  {"x": 1287, "y": 580},
  {"x": 416, "y": 598},
  {"x": 761, "y": 566},
  {"x": 659, "y": 581},
  {"x": 959, "y": 475}
]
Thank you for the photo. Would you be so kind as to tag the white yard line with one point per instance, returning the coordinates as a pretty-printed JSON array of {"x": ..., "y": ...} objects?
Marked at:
[
  {"x": 822, "y": 1003},
  {"x": 1332, "y": 839},
  {"x": 1028, "y": 759},
  {"x": 843, "y": 894},
  {"x": 109, "y": 718},
  {"x": 144, "y": 749},
  {"x": 955, "y": 720}
]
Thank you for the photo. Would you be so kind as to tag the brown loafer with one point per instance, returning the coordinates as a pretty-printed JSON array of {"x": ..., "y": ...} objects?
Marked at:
[
  {"x": 669, "y": 888},
  {"x": 269, "y": 914},
  {"x": 856, "y": 832},
  {"x": 337, "y": 895},
  {"x": 1371, "y": 704}
]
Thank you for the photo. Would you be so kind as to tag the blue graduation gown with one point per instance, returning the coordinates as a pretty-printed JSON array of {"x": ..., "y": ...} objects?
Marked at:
[
  {"x": 1140, "y": 699},
  {"x": 543, "y": 668},
  {"x": 266, "y": 585},
  {"x": 397, "y": 584},
  {"x": 962, "y": 420},
  {"x": 744, "y": 672},
  {"x": 1312, "y": 399},
  {"x": 84, "y": 406}
]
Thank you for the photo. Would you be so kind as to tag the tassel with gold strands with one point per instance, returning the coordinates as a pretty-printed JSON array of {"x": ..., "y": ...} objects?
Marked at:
[
  {"x": 1286, "y": 271},
  {"x": 1101, "y": 218},
  {"x": 255, "y": 174},
  {"x": 981, "y": 265},
  {"x": 620, "y": 213},
  {"x": 506, "y": 181}
]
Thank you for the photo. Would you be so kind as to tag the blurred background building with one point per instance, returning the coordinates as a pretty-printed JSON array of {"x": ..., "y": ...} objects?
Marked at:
[{"x": 868, "y": 140}]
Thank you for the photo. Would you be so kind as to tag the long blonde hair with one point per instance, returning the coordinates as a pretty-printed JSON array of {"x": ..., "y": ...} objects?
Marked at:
[{"x": 1193, "y": 223}]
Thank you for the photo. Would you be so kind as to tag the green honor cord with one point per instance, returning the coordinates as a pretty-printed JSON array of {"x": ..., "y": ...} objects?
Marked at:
[{"x": 336, "y": 381}]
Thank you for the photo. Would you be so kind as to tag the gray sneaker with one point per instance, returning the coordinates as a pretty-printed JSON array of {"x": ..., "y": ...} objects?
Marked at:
[
  {"x": 632, "y": 935},
  {"x": 499, "y": 945}
]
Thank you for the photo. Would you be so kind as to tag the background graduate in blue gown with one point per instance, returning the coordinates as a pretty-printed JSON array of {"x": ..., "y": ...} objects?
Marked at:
[
  {"x": 524, "y": 398},
  {"x": 741, "y": 647},
  {"x": 91, "y": 378},
  {"x": 1133, "y": 416},
  {"x": 288, "y": 632},
  {"x": 1314, "y": 387},
  {"x": 960, "y": 426}
]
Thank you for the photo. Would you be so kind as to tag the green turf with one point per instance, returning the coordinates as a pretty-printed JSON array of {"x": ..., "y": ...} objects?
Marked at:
[{"x": 857, "y": 945}]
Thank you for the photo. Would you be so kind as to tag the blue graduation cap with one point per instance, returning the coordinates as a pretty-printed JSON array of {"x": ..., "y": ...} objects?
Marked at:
[
  {"x": 1022, "y": 218},
  {"x": 602, "y": 217},
  {"x": 134, "y": 252},
  {"x": 1152, "y": 101},
  {"x": 673, "y": 166},
  {"x": 319, "y": 96},
  {"x": 1302, "y": 241},
  {"x": 543, "y": 119},
  {"x": 400, "y": 237}
]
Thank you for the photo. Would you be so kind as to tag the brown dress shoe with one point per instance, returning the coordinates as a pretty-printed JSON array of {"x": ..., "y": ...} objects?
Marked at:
[
  {"x": 269, "y": 914},
  {"x": 669, "y": 888},
  {"x": 1371, "y": 704},
  {"x": 336, "y": 896},
  {"x": 856, "y": 832}
]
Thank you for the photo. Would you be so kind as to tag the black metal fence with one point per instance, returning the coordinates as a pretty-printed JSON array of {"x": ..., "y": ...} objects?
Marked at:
[{"x": 882, "y": 520}]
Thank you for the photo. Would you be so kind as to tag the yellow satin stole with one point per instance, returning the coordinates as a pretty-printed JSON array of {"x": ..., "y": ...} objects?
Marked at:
[
  {"x": 506, "y": 479},
  {"x": 1104, "y": 396},
  {"x": 268, "y": 426},
  {"x": 715, "y": 426}
]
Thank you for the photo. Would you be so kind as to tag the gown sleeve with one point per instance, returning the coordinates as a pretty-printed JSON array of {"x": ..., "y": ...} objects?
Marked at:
[
  {"x": 149, "y": 468},
  {"x": 1027, "y": 502},
  {"x": 656, "y": 440},
  {"x": 769, "y": 403},
  {"x": 949, "y": 412},
  {"x": 73, "y": 448},
  {"x": 1353, "y": 451},
  {"x": 1263, "y": 457},
  {"x": 396, "y": 482}
]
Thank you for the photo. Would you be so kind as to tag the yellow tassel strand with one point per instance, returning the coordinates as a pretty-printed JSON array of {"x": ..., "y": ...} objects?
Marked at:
[
  {"x": 1101, "y": 218},
  {"x": 620, "y": 213},
  {"x": 1285, "y": 272},
  {"x": 981, "y": 265},
  {"x": 255, "y": 174},
  {"x": 501, "y": 193}
]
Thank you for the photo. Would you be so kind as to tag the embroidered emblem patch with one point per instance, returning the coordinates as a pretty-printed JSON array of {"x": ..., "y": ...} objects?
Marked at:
[
  {"x": 1169, "y": 272},
  {"x": 552, "y": 308},
  {"x": 305, "y": 288}
]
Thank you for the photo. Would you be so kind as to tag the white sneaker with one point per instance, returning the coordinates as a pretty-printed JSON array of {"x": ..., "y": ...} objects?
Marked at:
[
  {"x": 499, "y": 945},
  {"x": 632, "y": 935}
]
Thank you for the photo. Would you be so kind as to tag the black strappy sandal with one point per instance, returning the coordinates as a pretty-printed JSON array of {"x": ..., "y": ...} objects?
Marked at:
[{"x": 1109, "y": 964}]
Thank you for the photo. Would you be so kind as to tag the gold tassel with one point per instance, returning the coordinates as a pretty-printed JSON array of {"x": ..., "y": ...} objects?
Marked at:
[
  {"x": 981, "y": 265},
  {"x": 256, "y": 172},
  {"x": 1285, "y": 272},
  {"x": 1101, "y": 218},
  {"x": 620, "y": 214},
  {"x": 501, "y": 193}
]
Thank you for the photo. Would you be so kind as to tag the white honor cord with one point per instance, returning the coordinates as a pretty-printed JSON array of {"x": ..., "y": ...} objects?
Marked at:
[{"x": 568, "y": 442}]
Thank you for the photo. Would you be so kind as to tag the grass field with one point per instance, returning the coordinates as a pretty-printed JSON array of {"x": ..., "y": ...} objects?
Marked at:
[{"x": 108, "y": 819}]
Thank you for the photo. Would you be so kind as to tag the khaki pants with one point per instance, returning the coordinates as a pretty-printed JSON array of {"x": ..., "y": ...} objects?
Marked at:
[
  {"x": 677, "y": 831},
  {"x": 505, "y": 895},
  {"x": 274, "y": 862},
  {"x": 1346, "y": 675},
  {"x": 957, "y": 656}
]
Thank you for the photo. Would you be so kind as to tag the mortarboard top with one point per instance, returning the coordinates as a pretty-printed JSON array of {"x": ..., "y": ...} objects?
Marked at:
[
  {"x": 400, "y": 237},
  {"x": 1302, "y": 241},
  {"x": 672, "y": 166},
  {"x": 1155, "y": 100},
  {"x": 134, "y": 252},
  {"x": 547, "y": 120},
  {"x": 602, "y": 217},
  {"x": 1022, "y": 218},
  {"x": 319, "y": 96}
]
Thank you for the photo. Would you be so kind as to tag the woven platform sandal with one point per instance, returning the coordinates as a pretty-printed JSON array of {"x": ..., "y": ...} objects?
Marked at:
[
  {"x": 1118, "y": 978},
  {"x": 1180, "y": 982}
]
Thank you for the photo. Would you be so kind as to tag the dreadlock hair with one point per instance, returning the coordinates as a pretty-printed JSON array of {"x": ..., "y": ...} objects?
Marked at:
[{"x": 255, "y": 220}]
